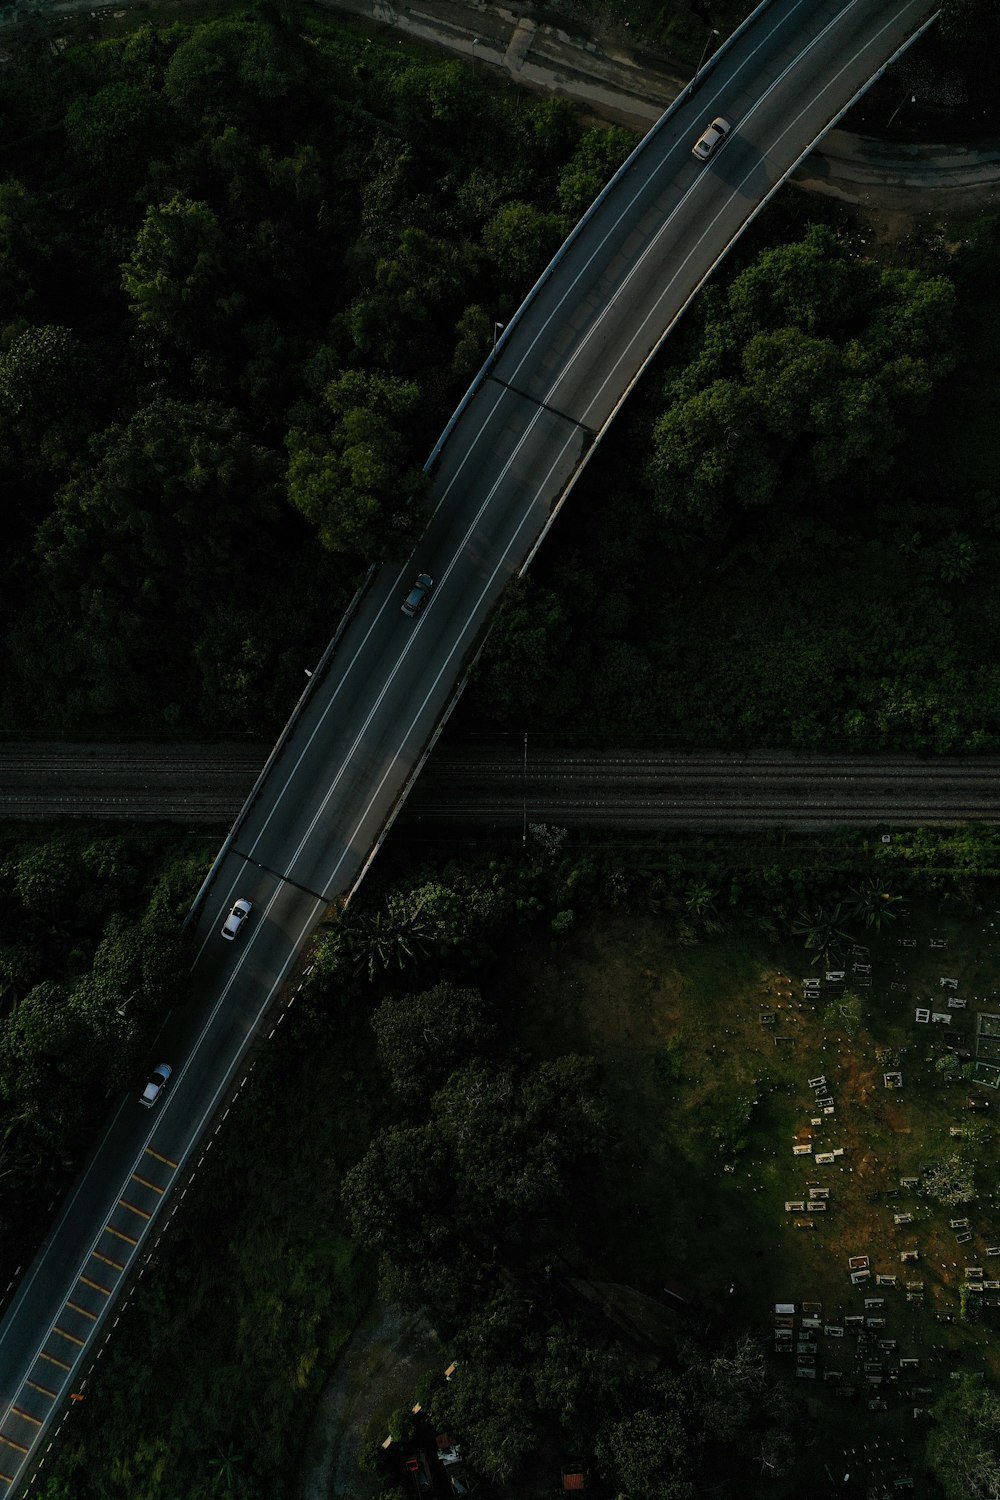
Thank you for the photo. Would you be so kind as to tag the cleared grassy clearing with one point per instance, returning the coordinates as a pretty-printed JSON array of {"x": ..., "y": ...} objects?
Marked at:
[{"x": 700, "y": 1085}]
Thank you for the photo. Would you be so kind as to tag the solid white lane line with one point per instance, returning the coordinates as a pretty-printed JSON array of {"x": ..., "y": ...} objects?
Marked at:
[
  {"x": 652, "y": 247},
  {"x": 666, "y": 160}
]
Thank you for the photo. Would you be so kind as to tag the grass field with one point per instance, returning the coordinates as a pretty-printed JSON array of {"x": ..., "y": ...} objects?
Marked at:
[{"x": 711, "y": 1104}]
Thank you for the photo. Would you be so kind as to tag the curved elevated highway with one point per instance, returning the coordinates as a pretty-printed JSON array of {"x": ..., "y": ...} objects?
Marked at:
[{"x": 509, "y": 456}]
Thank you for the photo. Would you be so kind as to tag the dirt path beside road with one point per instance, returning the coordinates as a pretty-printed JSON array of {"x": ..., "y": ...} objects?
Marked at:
[
  {"x": 633, "y": 86},
  {"x": 377, "y": 1373}
]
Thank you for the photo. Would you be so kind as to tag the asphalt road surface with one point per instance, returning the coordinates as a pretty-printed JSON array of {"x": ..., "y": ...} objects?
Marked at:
[
  {"x": 501, "y": 787},
  {"x": 562, "y": 367}
]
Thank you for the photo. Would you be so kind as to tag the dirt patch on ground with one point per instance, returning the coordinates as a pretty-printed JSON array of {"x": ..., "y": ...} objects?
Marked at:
[
  {"x": 385, "y": 1358},
  {"x": 710, "y": 1054}
]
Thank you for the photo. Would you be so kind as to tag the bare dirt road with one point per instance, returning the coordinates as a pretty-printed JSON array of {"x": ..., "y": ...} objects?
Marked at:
[{"x": 377, "y": 1373}]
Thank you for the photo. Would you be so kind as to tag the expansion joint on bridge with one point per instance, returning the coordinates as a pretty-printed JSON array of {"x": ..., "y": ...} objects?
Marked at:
[
  {"x": 562, "y": 415},
  {"x": 285, "y": 879}
]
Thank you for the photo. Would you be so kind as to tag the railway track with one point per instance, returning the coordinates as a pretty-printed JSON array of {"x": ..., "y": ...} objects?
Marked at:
[{"x": 505, "y": 786}]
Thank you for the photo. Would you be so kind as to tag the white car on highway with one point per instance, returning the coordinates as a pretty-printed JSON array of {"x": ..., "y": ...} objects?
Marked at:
[
  {"x": 711, "y": 139},
  {"x": 415, "y": 599},
  {"x": 231, "y": 926},
  {"x": 155, "y": 1085}
]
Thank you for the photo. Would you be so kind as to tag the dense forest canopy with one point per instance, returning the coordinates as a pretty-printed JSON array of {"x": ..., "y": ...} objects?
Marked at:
[
  {"x": 792, "y": 539},
  {"x": 246, "y": 269}
]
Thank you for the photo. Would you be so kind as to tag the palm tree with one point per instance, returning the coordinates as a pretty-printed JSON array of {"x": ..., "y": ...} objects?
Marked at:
[
  {"x": 699, "y": 900},
  {"x": 824, "y": 936},
  {"x": 398, "y": 935},
  {"x": 225, "y": 1470},
  {"x": 873, "y": 904}
]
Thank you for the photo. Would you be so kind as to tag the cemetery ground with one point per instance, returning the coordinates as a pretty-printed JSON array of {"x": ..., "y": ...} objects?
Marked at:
[{"x": 716, "y": 1057}]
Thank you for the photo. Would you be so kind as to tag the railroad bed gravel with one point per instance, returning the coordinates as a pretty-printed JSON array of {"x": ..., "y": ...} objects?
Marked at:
[{"x": 503, "y": 787}]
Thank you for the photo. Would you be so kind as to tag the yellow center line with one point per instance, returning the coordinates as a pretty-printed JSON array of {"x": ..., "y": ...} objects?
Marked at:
[
  {"x": 146, "y": 1183},
  {"x": 133, "y": 1209},
  {"x": 25, "y": 1416},
  {"x": 165, "y": 1159},
  {"x": 83, "y": 1310},
  {"x": 107, "y": 1260},
  {"x": 43, "y": 1388},
  {"x": 52, "y": 1360},
  {"x": 70, "y": 1337},
  {"x": 11, "y": 1444},
  {"x": 119, "y": 1235},
  {"x": 6, "y": 1478},
  {"x": 104, "y": 1290}
]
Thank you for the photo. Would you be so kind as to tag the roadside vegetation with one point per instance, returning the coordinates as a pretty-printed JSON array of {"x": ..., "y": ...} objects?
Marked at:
[
  {"x": 526, "y": 1073},
  {"x": 92, "y": 958},
  {"x": 233, "y": 317},
  {"x": 791, "y": 540},
  {"x": 230, "y": 320}
]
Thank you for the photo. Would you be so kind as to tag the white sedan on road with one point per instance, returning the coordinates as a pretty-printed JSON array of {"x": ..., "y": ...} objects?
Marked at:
[
  {"x": 711, "y": 139},
  {"x": 156, "y": 1084},
  {"x": 231, "y": 926}
]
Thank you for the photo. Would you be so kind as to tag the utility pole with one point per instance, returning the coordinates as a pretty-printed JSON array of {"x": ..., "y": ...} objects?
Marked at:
[{"x": 714, "y": 32}]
